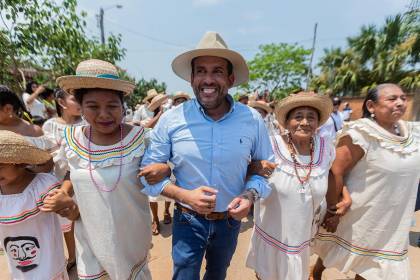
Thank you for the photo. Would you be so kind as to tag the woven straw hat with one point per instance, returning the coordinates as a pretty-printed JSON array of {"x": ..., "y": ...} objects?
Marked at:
[
  {"x": 180, "y": 94},
  {"x": 150, "y": 94},
  {"x": 157, "y": 101},
  {"x": 260, "y": 104},
  {"x": 211, "y": 44},
  {"x": 95, "y": 73},
  {"x": 320, "y": 103},
  {"x": 15, "y": 149}
]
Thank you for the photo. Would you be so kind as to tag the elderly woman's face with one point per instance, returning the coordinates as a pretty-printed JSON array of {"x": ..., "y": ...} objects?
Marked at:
[
  {"x": 391, "y": 105},
  {"x": 302, "y": 122}
]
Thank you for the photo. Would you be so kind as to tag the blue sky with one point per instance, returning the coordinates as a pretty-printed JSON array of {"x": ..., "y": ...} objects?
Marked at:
[{"x": 155, "y": 32}]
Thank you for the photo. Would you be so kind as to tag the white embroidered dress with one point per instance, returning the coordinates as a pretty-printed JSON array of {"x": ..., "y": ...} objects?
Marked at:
[
  {"x": 113, "y": 234},
  {"x": 31, "y": 239},
  {"x": 372, "y": 238},
  {"x": 285, "y": 222}
]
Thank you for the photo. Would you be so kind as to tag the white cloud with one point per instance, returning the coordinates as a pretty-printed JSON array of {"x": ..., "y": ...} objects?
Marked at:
[{"x": 206, "y": 2}]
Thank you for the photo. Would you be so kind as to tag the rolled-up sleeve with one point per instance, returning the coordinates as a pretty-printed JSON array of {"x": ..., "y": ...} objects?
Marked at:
[
  {"x": 262, "y": 150},
  {"x": 158, "y": 151}
]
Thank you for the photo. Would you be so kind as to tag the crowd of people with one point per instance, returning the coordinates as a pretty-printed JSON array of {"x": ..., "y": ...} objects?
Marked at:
[{"x": 73, "y": 162}]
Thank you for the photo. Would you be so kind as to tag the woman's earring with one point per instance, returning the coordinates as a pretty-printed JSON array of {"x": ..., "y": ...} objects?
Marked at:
[{"x": 372, "y": 115}]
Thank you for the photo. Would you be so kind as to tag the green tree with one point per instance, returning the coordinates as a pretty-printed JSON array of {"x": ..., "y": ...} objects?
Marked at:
[
  {"x": 389, "y": 53},
  {"x": 50, "y": 35},
  {"x": 280, "y": 68},
  {"x": 142, "y": 86}
]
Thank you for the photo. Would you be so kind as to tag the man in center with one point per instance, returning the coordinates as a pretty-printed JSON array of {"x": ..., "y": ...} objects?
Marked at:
[{"x": 210, "y": 140}]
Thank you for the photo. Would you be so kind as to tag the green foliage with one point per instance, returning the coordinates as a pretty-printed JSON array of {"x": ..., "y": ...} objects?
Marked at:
[
  {"x": 142, "y": 86},
  {"x": 280, "y": 68},
  {"x": 389, "y": 53},
  {"x": 51, "y": 35}
]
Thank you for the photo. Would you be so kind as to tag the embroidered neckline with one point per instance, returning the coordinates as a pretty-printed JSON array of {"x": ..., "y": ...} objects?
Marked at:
[
  {"x": 100, "y": 155},
  {"x": 26, "y": 214},
  {"x": 319, "y": 145}
]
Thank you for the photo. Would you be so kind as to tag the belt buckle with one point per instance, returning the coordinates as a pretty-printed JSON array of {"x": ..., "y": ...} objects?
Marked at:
[{"x": 206, "y": 216}]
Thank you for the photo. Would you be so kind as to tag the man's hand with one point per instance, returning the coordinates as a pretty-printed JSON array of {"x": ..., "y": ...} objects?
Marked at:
[
  {"x": 154, "y": 173},
  {"x": 56, "y": 200},
  {"x": 239, "y": 208},
  {"x": 202, "y": 199},
  {"x": 330, "y": 222}
]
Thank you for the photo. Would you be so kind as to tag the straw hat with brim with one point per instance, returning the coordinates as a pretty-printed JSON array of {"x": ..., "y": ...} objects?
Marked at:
[
  {"x": 95, "y": 73},
  {"x": 150, "y": 94},
  {"x": 15, "y": 149},
  {"x": 157, "y": 101},
  {"x": 260, "y": 104},
  {"x": 211, "y": 44},
  {"x": 320, "y": 103},
  {"x": 180, "y": 94}
]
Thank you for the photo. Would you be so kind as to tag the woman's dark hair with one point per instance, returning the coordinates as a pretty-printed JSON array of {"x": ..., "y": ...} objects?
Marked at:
[
  {"x": 47, "y": 93},
  {"x": 79, "y": 93},
  {"x": 373, "y": 95},
  {"x": 29, "y": 86},
  {"x": 9, "y": 97},
  {"x": 59, "y": 94}
]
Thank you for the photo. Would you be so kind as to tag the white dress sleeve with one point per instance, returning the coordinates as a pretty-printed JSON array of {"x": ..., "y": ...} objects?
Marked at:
[{"x": 357, "y": 136}]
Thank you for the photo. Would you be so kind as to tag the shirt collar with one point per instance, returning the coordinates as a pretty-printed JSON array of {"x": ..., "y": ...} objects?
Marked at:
[{"x": 232, "y": 104}]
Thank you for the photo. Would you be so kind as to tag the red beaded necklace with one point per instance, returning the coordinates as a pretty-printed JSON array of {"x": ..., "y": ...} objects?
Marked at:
[
  {"x": 293, "y": 153},
  {"x": 105, "y": 188}
]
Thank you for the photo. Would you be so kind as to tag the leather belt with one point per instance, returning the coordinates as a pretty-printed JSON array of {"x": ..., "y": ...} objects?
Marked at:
[{"x": 211, "y": 216}]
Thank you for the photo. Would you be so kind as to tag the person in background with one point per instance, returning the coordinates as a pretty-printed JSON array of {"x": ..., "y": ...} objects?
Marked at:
[
  {"x": 180, "y": 97},
  {"x": 157, "y": 107},
  {"x": 377, "y": 161},
  {"x": 243, "y": 98},
  {"x": 31, "y": 98},
  {"x": 346, "y": 113},
  {"x": 47, "y": 98},
  {"x": 13, "y": 117},
  {"x": 142, "y": 115},
  {"x": 69, "y": 114},
  {"x": 335, "y": 121}
]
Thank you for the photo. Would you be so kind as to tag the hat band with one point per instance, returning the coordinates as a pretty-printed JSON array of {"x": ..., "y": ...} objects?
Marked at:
[{"x": 106, "y": 76}]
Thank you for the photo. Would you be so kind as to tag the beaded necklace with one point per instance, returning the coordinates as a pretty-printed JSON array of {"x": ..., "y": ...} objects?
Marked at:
[
  {"x": 293, "y": 153},
  {"x": 104, "y": 188}
]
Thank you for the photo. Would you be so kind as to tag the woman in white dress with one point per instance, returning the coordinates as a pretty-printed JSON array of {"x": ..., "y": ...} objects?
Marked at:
[
  {"x": 377, "y": 160},
  {"x": 69, "y": 114},
  {"x": 113, "y": 234},
  {"x": 14, "y": 117},
  {"x": 287, "y": 221}
]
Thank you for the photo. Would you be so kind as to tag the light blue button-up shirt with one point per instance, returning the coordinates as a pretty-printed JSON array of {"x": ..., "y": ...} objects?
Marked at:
[{"x": 210, "y": 153}]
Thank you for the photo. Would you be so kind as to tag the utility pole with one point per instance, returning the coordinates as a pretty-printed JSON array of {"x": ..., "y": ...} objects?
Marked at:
[
  {"x": 101, "y": 25},
  {"x": 100, "y": 18},
  {"x": 309, "y": 76}
]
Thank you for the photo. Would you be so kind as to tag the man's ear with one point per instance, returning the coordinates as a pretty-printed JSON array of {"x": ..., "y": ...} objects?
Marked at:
[{"x": 231, "y": 79}]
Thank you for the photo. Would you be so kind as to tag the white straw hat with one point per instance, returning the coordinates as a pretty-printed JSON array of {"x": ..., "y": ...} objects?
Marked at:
[
  {"x": 180, "y": 94},
  {"x": 211, "y": 44},
  {"x": 260, "y": 104},
  {"x": 150, "y": 94},
  {"x": 157, "y": 101},
  {"x": 15, "y": 149},
  {"x": 320, "y": 103},
  {"x": 95, "y": 73}
]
